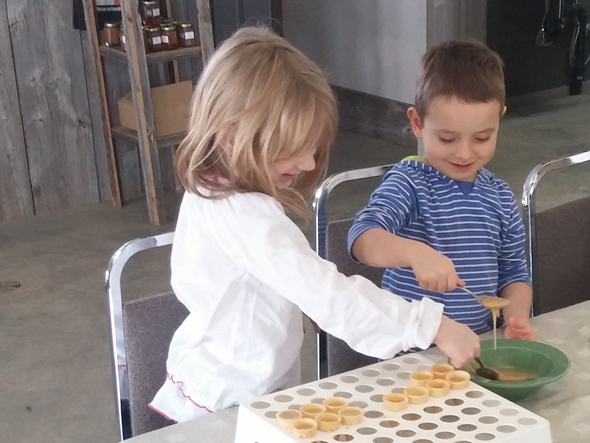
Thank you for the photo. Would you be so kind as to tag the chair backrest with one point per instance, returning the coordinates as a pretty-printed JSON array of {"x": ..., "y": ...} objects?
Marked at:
[
  {"x": 339, "y": 356},
  {"x": 558, "y": 243},
  {"x": 334, "y": 355},
  {"x": 140, "y": 330},
  {"x": 149, "y": 326}
]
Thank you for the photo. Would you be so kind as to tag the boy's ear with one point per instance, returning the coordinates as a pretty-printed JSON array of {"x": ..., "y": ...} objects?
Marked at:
[
  {"x": 415, "y": 121},
  {"x": 504, "y": 111}
]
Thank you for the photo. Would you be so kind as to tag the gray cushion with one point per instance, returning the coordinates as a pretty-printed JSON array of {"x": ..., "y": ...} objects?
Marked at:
[
  {"x": 339, "y": 356},
  {"x": 562, "y": 260},
  {"x": 149, "y": 326}
]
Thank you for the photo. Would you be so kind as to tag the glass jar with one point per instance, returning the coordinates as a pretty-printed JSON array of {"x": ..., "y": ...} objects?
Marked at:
[
  {"x": 169, "y": 37},
  {"x": 111, "y": 34},
  {"x": 186, "y": 35},
  {"x": 153, "y": 38},
  {"x": 150, "y": 12}
]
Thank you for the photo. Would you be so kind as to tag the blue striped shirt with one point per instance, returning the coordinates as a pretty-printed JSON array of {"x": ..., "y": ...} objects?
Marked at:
[{"x": 479, "y": 228}]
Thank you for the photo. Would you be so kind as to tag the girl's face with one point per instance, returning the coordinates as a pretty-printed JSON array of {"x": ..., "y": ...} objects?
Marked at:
[{"x": 284, "y": 172}]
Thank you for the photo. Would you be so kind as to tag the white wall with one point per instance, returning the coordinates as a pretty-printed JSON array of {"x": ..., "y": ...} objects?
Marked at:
[{"x": 372, "y": 46}]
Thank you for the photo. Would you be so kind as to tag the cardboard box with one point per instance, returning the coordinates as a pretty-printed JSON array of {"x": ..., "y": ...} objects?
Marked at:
[{"x": 171, "y": 108}]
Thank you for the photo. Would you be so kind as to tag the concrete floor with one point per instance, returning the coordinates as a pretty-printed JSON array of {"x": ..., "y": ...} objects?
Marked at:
[{"x": 55, "y": 373}]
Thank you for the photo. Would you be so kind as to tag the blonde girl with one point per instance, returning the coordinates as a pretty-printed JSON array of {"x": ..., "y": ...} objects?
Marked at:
[{"x": 262, "y": 121}]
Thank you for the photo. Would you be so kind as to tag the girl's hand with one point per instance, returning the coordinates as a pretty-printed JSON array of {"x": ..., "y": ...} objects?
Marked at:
[
  {"x": 519, "y": 328},
  {"x": 457, "y": 341},
  {"x": 434, "y": 271}
]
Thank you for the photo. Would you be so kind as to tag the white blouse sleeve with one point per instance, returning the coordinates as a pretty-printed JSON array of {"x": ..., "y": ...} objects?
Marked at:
[{"x": 254, "y": 230}]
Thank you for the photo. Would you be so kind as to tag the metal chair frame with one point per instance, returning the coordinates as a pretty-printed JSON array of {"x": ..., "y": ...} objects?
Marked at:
[
  {"x": 115, "y": 309},
  {"x": 530, "y": 211},
  {"x": 319, "y": 206}
]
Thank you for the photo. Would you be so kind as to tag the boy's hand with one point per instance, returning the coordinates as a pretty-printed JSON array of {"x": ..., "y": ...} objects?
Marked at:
[
  {"x": 520, "y": 329},
  {"x": 434, "y": 271},
  {"x": 457, "y": 341}
]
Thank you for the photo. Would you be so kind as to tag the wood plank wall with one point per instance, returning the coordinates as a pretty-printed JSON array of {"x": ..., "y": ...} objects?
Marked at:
[{"x": 52, "y": 152}]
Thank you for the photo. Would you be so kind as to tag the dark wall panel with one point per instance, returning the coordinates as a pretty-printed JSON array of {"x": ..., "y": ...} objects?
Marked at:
[{"x": 512, "y": 28}]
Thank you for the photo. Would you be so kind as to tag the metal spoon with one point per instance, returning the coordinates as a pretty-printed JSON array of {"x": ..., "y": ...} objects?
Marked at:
[
  {"x": 485, "y": 372},
  {"x": 477, "y": 297}
]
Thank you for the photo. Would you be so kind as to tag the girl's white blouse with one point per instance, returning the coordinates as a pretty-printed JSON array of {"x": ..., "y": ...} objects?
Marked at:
[{"x": 245, "y": 272}]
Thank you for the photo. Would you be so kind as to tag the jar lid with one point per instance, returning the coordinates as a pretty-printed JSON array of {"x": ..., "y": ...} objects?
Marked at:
[
  {"x": 111, "y": 24},
  {"x": 152, "y": 29},
  {"x": 168, "y": 27},
  {"x": 185, "y": 25},
  {"x": 149, "y": 2}
]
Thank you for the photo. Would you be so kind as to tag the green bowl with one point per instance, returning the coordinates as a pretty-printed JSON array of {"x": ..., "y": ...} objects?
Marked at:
[{"x": 548, "y": 363}]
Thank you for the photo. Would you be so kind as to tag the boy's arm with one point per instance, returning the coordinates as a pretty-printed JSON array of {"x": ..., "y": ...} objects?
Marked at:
[
  {"x": 381, "y": 249},
  {"x": 514, "y": 281},
  {"x": 517, "y": 313}
]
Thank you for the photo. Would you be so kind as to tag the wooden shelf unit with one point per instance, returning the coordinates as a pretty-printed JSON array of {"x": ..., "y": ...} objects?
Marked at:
[{"x": 137, "y": 61}]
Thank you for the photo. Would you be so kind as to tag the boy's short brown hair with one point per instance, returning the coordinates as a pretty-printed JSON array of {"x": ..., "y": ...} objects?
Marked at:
[{"x": 466, "y": 69}]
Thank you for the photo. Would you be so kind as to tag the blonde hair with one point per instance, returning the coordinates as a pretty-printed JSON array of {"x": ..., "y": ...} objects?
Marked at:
[
  {"x": 272, "y": 103},
  {"x": 466, "y": 69}
]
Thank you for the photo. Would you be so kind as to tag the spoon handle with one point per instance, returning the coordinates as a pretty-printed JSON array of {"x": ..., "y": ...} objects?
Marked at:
[{"x": 477, "y": 297}]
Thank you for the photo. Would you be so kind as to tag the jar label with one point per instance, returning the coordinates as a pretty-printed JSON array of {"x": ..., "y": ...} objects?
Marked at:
[
  {"x": 188, "y": 35},
  {"x": 156, "y": 12},
  {"x": 165, "y": 39},
  {"x": 123, "y": 39},
  {"x": 157, "y": 40}
]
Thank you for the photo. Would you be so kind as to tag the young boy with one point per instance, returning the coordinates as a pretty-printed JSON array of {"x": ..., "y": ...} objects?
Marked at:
[{"x": 444, "y": 221}]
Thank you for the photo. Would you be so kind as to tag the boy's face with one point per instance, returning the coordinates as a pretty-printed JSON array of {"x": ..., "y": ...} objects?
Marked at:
[{"x": 459, "y": 137}]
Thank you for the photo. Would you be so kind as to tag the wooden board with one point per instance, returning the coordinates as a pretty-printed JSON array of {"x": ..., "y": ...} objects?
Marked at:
[
  {"x": 49, "y": 67},
  {"x": 15, "y": 189}
]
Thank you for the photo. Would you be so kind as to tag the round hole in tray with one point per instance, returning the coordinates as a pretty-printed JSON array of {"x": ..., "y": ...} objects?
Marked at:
[
  {"x": 411, "y": 417},
  {"x": 391, "y": 366},
  {"x": 349, "y": 379},
  {"x": 454, "y": 402},
  {"x": 397, "y": 390},
  {"x": 319, "y": 441},
  {"x": 343, "y": 394},
  {"x": 377, "y": 398},
  {"x": 389, "y": 424},
  {"x": 294, "y": 407},
  {"x": 424, "y": 368},
  {"x": 283, "y": 398},
  {"x": 328, "y": 385},
  {"x": 468, "y": 427},
  {"x": 433, "y": 409},
  {"x": 386, "y": 382},
  {"x": 445, "y": 435},
  {"x": 260, "y": 405},
  {"x": 411, "y": 360},
  {"x": 485, "y": 436},
  {"x": 491, "y": 403},
  {"x": 404, "y": 375},
  {"x": 271, "y": 414},
  {"x": 405, "y": 433},
  {"x": 373, "y": 414},
  {"x": 488, "y": 420},
  {"x": 474, "y": 394},
  {"x": 371, "y": 373},
  {"x": 509, "y": 412},
  {"x": 319, "y": 401},
  {"x": 364, "y": 388},
  {"x": 427, "y": 426},
  {"x": 506, "y": 429},
  {"x": 382, "y": 440},
  {"x": 471, "y": 411},
  {"x": 367, "y": 431},
  {"x": 527, "y": 421},
  {"x": 358, "y": 404},
  {"x": 306, "y": 392},
  {"x": 422, "y": 440},
  {"x": 343, "y": 437},
  {"x": 449, "y": 418}
]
